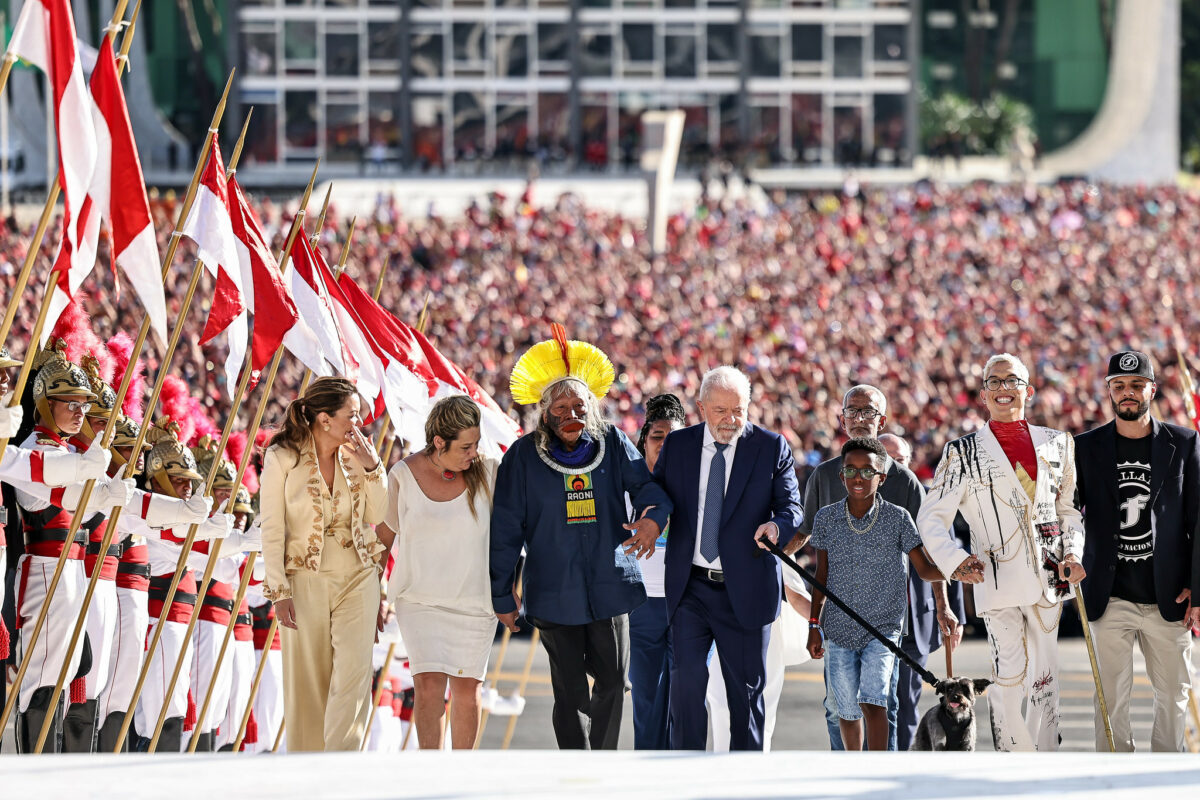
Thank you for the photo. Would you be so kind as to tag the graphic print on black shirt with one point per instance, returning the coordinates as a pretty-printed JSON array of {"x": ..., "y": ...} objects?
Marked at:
[{"x": 1134, "y": 578}]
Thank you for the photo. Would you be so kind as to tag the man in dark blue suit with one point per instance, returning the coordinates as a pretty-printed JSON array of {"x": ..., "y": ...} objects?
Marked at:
[
  {"x": 1139, "y": 490},
  {"x": 731, "y": 484}
]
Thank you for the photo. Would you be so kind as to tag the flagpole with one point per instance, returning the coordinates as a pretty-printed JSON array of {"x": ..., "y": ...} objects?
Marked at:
[
  {"x": 384, "y": 672},
  {"x": 215, "y": 547},
  {"x": 341, "y": 266},
  {"x": 248, "y": 568},
  {"x": 201, "y": 715},
  {"x": 254, "y": 687},
  {"x": 77, "y": 518},
  {"x": 320, "y": 226},
  {"x": 143, "y": 332}
]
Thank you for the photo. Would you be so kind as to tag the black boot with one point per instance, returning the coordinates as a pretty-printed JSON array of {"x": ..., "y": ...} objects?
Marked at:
[
  {"x": 29, "y": 723},
  {"x": 79, "y": 728},
  {"x": 109, "y": 732},
  {"x": 204, "y": 742},
  {"x": 171, "y": 738}
]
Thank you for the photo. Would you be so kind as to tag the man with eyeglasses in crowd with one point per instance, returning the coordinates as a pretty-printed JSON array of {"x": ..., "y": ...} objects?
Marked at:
[
  {"x": 1014, "y": 484},
  {"x": 864, "y": 411}
]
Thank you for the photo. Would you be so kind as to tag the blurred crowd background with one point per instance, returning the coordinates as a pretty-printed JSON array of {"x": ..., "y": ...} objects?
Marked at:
[{"x": 910, "y": 289}]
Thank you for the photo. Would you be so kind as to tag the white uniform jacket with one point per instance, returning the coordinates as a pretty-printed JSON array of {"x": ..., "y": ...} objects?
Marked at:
[{"x": 1017, "y": 540}]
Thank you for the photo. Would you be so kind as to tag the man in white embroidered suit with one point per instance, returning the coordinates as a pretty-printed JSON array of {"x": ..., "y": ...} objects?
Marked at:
[{"x": 1014, "y": 484}]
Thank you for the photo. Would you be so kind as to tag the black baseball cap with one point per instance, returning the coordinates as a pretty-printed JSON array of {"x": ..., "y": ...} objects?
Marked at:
[{"x": 1127, "y": 363}]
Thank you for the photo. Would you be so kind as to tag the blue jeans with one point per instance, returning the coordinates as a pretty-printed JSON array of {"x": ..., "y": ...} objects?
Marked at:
[
  {"x": 650, "y": 673},
  {"x": 831, "y": 715},
  {"x": 860, "y": 677}
]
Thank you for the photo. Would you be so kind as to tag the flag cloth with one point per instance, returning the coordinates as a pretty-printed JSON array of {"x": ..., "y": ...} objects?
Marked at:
[
  {"x": 267, "y": 295},
  {"x": 44, "y": 35},
  {"x": 409, "y": 381},
  {"x": 323, "y": 352},
  {"x": 441, "y": 376},
  {"x": 134, "y": 246},
  {"x": 209, "y": 225},
  {"x": 371, "y": 377}
]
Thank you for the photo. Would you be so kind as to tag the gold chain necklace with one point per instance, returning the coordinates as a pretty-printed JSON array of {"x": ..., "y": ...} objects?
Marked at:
[{"x": 873, "y": 514}]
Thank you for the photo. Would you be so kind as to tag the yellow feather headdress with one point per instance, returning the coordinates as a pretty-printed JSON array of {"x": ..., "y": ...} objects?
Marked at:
[{"x": 548, "y": 362}]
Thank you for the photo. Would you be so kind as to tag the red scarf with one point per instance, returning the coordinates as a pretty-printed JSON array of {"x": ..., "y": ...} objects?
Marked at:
[{"x": 1017, "y": 444}]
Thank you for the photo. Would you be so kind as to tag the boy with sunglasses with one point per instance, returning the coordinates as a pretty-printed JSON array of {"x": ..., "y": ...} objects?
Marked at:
[{"x": 861, "y": 543}]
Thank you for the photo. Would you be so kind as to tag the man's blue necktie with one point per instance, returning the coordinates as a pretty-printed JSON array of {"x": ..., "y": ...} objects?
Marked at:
[{"x": 714, "y": 497}]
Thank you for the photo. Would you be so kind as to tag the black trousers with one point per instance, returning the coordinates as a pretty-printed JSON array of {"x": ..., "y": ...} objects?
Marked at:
[{"x": 583, "y": 719}]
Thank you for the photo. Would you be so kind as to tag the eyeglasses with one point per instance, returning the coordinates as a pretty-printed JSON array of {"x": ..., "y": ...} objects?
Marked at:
[
  {"x": 866, "y": 473},
  {"x": 1011, "y": 382},
  {"x": 76, "y": 405},
  {"x": 865, "y": 414}
]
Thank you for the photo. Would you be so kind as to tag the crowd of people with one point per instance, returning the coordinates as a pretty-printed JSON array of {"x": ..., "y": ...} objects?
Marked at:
[
  {"x": 840, "y": 311},
  {"x": 904, "y": 288}
]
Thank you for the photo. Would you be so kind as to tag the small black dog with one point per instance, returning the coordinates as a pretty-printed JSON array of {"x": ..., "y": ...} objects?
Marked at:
[{"x": 950, "y": 725}]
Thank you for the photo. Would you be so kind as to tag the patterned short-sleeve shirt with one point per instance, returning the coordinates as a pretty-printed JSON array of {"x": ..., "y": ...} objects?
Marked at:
[{"x": 869, "y": 570}]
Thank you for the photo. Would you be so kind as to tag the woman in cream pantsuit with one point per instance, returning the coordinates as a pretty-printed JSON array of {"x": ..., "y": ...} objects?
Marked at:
[{"x": 322, "y": 490}]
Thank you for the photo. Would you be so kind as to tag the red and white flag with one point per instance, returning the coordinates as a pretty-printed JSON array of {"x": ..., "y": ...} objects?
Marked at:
[
  {"x": 323, "y": 350},
  {"x": 440, "y": 375},
  {"x": 409, "y": 381},
  {"x": 44, "y": 35},
  {"x": 209, "y": 225},
  {"x": 371, "y": 377},
  {"x": 267, "y": 295},
  {"x": 119, "y": 190}
]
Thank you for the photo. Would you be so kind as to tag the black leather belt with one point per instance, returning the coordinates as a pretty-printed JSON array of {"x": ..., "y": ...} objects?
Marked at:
[
  {"x": 141, "y": 570},
  {"x": 243, "y": 619},
  {"x": 260, "y": 615},
  {"x": 39, "y": 535},
  {"x": 218, "y": 602},
  {"x": 710, "y": 575},
  {"x": 114, "y": 550},
  {"x": 158, "y": 591}
]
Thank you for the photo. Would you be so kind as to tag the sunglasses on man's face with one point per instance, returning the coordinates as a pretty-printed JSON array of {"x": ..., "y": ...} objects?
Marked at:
[{"x": 866, "y": 473}]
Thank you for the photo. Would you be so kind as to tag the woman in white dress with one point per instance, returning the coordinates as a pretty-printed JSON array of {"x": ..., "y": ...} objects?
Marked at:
[{"x": 439, "y": 514}]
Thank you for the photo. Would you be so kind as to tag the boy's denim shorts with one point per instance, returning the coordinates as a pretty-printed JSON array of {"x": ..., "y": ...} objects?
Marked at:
[{"x": 859, "y": 676}]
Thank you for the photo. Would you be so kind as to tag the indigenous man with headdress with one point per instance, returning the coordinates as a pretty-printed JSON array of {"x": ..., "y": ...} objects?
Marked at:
[
  {"x": 61, "y": 395},
  {"x": 560, "y": 494},
  {"x": 171, "y": 471}
]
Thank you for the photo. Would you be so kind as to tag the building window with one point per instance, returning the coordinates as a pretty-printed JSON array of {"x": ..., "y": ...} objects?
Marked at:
[
  {"x": 343, "y": 132},
  {"x": 765, "y": 59},
  {"x": 427, "y": 52},
  {"x": 300, "y": 43},
  {"x": 300, "y": 128},
  {"x": 596, "y": 56},
  {"x": 512, "y": 52},
  {"x": 679, "y": 55},
  {"x": 383, "y": 48},
  {"x": 637, "y": 42},
  {"x": 429, "y": 127},
  {"x": 847, "y": 57},
  {"x": 258, "y": 52},
  {"x": 341, "y": 54},
  {"x": 553, "y": 126}
]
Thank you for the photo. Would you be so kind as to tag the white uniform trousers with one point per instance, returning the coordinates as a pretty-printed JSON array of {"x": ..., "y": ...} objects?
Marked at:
[
  {"x": 385, "y": 735},
  {"x": 1167, "y": 648},
  {"x": 103, "y": 634},
  {"x": 50, "y": 650},
  {"x": 162, "y": 665},
  {"x": 268, "y": 703},
  {"x": 1024, "y": 641},
  {"x": 718, "y": 703},
  {"x": 206, "y": 641},
  {"x": 240, "y": 657},
  {"x": 133, "y": 619}
]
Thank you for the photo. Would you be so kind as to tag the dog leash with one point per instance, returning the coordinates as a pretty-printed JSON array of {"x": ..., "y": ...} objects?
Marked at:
[{"x": 925, "y": 674}]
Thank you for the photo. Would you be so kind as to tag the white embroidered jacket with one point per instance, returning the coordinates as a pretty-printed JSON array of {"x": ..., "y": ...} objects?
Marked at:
[
  {"x": 294, "y": 509},
  {"x": 1013, "y": 537}
]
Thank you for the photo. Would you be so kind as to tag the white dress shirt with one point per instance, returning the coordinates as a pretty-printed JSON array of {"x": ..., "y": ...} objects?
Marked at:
[{"x": 707, "y": 451}]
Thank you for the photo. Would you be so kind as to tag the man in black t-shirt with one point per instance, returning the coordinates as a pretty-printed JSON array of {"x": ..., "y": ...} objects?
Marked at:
[{"x": 1139, "y": 491}]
